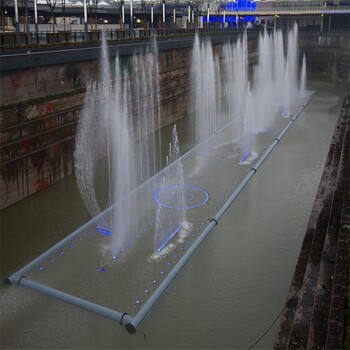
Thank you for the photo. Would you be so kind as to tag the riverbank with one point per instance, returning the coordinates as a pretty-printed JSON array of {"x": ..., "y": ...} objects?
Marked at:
[{"x": 314, "y": 315}]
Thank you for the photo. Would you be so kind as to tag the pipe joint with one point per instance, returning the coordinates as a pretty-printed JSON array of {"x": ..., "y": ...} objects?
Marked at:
[
  {"x": 214, "y": 220},
  {"x": 121, "y": 319},
  {"x": 20, "y": 279},
  {"x": 277, "y": 139},
  {"x": 253, "y": 169}
]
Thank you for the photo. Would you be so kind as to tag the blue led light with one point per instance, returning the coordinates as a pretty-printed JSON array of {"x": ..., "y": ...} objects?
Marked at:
[
  {"x": 154, "y": 281},
  {"x": 138, "y": 302},
  {"x": 52, "y": 260},
  {"x": 62, "y": 252},
  {"x": 103, "y": 230},
  {"x": 161, "y": 272},
  {"x": 41, "y": 268},
  {"x": 146, "y": 291},
  {"x": 169, "y": 196},
  {"x": 168, "y": 239}
]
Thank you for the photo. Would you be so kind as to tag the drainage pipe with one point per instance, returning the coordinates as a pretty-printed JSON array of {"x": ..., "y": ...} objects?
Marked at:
[
  {"x": 150, "y": 303},
  {"x": 120, "y": 317}
]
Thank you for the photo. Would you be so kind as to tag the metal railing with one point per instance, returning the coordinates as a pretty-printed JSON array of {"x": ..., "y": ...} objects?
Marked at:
[{"x": 43, "y": 39}]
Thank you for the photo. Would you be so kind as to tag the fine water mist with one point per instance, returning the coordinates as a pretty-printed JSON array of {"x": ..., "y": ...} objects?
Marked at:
[{"x": 116, "y": 135}]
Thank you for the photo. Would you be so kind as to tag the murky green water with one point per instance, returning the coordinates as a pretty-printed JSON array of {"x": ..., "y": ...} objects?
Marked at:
[{"x": 232, "y": 288}]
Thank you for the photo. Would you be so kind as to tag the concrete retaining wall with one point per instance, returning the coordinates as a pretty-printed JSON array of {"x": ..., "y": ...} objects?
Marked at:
[{"x": 43, "y": 99}]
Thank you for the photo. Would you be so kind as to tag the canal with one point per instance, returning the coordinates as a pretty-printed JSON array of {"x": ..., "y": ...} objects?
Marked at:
[{"x": 234, "y": 286}]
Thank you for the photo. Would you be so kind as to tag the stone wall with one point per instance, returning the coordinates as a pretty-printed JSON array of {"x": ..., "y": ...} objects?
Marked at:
[
  {"x": 327, "y": 53},
  {"x": 37, "y": 142}
]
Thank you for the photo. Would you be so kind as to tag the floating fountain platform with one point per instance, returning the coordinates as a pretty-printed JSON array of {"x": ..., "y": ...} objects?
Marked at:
[{"x": 81, "y": 269}]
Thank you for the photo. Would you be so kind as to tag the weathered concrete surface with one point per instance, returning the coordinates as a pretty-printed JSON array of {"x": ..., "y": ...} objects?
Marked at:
[
  {"x": 313, "y": 317},
  {"x": 329, "y": 53},
  {"x": 37, "y": 143}
]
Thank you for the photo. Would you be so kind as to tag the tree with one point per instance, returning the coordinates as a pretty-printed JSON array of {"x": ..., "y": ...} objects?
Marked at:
[{"x": 52, "y": 5}]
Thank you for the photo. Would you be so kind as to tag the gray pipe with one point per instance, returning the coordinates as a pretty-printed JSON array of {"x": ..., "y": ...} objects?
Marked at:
[
  {"x": 148, "y": 306},
  {"x": 122, "y": 318}
]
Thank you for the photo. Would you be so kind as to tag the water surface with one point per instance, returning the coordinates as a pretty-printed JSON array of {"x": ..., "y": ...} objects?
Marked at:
[{"x": 232, "y": 288}]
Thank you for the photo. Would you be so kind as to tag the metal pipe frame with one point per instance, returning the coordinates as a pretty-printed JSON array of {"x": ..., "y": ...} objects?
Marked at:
[
  {"x": 150, "y": 303},
  {"x": 133, "y": 322}
]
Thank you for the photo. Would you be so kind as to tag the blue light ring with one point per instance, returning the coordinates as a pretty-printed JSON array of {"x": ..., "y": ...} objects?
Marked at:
[
  {"x": 169, "y": 187},
  {"x": 155, "y": 196}
]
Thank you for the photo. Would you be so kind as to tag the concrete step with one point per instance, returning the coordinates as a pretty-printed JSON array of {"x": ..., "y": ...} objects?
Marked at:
[
  {"x": 307, "y": 295},
  {"x": 336, "y": 315},
  {"x": 332, "y": 252}
]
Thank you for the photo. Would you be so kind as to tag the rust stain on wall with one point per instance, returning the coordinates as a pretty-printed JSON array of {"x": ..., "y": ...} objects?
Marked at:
[{"x": 37, "y": 144}]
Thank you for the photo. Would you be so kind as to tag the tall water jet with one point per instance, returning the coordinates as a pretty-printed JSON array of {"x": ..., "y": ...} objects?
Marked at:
[
  {"x": 248, "y": 127},
  {"x": 291, "y": 88},
  {"x": 123, "y": 165},
  {"x": 263, "y": 83},
  {"x": 205, "y": 89},
  {"x": 279, "y": 67},
  {"x": 92, "y": 127},
  {"x": 303, "y": 77},
  {"x": 287, "y": 93},
  {"x": 235, "y": 70}
]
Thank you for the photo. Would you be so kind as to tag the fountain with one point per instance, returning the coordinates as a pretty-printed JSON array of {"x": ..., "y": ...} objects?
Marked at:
[
  {"x": 147, "y": 222},
  {"x": 172, "y": 203},
  {"x": 106, "y": 130}
]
